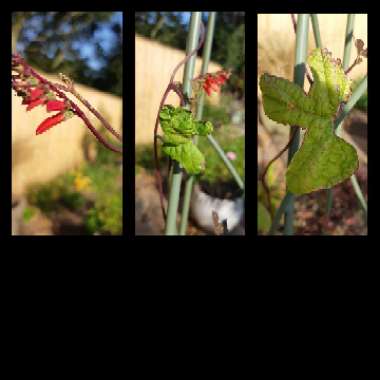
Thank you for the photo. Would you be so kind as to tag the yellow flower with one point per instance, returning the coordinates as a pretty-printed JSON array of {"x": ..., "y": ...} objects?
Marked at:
[{"x": 81, "y": 182}]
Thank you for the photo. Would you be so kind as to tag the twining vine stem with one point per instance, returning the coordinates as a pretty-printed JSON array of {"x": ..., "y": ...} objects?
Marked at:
[
  {"x": 263, "y": 176},
  {"x": 177, "y": 88}
]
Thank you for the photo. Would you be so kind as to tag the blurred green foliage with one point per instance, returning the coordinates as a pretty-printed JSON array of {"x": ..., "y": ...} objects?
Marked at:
[
  {"x": 144, "y": 157},
  {"x": 94, "y": 191},
  {"x": 56, "y": 194},
  {"x": 216, "y": 114},
  {"x": 107, "y": 214},
  {"x": 230, "y": 140},
  {"x": 28, "y": 213},
  {"x": 264, "y": 219}
]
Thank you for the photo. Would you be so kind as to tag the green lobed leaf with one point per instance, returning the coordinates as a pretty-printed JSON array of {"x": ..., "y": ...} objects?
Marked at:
[
  {"x": 324, "y": 159},
  {"x": 179, "y": 127},
  {"x": 188, "y": 155}
]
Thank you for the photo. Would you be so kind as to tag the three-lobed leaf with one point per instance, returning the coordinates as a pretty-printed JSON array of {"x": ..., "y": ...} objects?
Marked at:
[{"x": 324, "y": 159}]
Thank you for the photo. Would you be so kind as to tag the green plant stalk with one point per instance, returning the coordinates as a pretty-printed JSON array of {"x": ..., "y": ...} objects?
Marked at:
[
  {"x": 175, "y": 188},
  {"x": 200, "y": 103},
  {"x": 299, "y": 75},
  {"x": 359, "y": 194},
  {"x": 318, "y": 43},
  {"x": 346, "y": 62},
  {"x": 356, "y": 95},
  {"x": 278, "y": 214},
  {"x": 316, "y": 32},
  {"x": 348, "y": 40}
]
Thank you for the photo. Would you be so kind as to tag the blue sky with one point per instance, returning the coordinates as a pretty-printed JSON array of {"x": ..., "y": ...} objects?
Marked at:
[
  {"x": 106, "y": 39},
  {"x": 87, "y": 49}
]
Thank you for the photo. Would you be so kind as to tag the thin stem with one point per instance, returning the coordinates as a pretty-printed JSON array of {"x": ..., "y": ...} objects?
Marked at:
[
  {"x": 294, "y": 22},
  {"x": 62, "y": 95},
  {"x": 356, "y": 95},
  {"x": 195, "y": 22},
  {"x": 285, "y": 203},
  {"x": 263, "y": 176},
  {"x": 299, "y": 75},
  {"x": 316, "y": 32},
  {"x": 171, "y": 221},
  {"x": 348, "y": 40},
  {"x": 171, "y": 87},
  {"x": 351, "y": 67},
  {"x": 105, "y": 123},
  {"x": 205, "y": 61},
  {"x": 346, "y": 59}
]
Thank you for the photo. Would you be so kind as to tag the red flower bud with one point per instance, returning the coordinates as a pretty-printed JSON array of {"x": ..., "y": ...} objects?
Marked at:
[
  {"x": 55, "y": 105},
  {"x": 34, "y": 103},
  {"x": 213, "y": 82},
  {"x": 36, "y": 93},
  {"x": 50, "y": 122}
]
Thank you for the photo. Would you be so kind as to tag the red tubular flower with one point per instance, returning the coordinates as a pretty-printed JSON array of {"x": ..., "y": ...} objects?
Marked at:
[
  {"x": 36, "y": 93},
  {"x": 34, "y": 103},
  {"x": 207, "y": 88},
  {"x": 55, "y": 105},
  {"x": 213, "y": 82},
  {"x": 50, "y": 122}
]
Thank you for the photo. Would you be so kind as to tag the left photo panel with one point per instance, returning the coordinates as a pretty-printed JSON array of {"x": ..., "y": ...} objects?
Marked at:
[{"x": 67, "y": 88}]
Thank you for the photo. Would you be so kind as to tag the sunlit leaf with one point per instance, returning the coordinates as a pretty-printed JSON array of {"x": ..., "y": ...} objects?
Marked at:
[{"x": 324, "y": 159}]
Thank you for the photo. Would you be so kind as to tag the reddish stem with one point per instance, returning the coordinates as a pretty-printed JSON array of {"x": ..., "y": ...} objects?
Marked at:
[{"x": 76, "y": 109}]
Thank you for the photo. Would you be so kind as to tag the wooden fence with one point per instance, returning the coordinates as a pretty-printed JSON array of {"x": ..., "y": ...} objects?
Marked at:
[{"x": 153, "y": 67}]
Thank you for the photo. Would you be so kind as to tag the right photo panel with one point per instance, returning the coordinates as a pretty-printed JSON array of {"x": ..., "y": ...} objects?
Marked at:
[{"x": 312, "y": 124}]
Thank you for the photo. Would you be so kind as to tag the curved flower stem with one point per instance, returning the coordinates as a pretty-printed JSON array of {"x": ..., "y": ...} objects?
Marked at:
[
  {"x": 105, "y": 123},
  {"x": 62, "y": 95}
]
